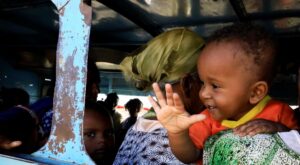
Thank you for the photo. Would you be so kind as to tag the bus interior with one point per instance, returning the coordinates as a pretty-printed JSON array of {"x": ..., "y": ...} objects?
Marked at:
[{"x": 29, "y": 37}]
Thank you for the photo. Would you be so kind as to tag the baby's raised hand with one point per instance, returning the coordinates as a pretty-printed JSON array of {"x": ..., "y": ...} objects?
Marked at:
[
  {"x": 257, "y": 126},
  {"x": 170, "y": 111}
]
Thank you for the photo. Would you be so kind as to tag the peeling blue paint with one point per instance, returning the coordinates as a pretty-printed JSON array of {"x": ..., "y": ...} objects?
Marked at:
[{"x": 66, "y": 140}]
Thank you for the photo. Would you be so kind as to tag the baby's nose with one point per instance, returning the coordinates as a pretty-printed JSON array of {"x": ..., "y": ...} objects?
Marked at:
[{"x": 204, "y": 93}]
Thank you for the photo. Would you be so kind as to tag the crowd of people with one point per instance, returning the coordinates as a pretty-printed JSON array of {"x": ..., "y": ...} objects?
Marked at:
[{"x": 211, "y": 105}]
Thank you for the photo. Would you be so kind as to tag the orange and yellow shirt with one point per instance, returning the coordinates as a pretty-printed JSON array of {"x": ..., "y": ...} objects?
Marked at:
[{"x": 268, "y": 109}]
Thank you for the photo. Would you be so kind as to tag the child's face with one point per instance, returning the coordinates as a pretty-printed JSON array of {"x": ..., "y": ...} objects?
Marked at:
[
  {"x": 226, "y": 83},
  {"x": 98, "y": 135}
]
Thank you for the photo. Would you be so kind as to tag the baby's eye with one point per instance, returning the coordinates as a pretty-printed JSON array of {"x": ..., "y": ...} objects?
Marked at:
[
  {"x": 215, "y": 86},
  {"x": 201, "y": 82},
  {"x": 90, "y": 134}
]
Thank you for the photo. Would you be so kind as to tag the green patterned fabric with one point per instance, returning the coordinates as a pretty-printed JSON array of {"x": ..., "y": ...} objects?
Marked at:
[
  {"x": 165, "y": 58},
  {"x": 150, "y": 114},
  {"x": 263, "y": 149}
]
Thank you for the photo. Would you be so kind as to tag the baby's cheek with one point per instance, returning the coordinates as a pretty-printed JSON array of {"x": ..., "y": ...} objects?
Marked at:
[{"x": 217, "y": 115}]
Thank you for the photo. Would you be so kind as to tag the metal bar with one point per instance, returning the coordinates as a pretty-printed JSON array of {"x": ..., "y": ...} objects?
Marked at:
[
  {"x": 239, "y": 8},
  {"x": 17, "y": 4},
  {"x": 66, "y": 140},
  {"x": 227, "y": 19},
  {"x": 135, "y": 14}
]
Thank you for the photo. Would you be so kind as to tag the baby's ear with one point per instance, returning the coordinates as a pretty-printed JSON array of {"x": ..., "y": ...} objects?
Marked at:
[{"x": 259, "y": 91}]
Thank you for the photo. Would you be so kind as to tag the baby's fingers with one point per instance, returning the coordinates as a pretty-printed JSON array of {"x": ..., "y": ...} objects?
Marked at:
[
  {"x": 196, "y": 118},
  {"x": 169, "y": 95},
  {"x": 159, "y": 95},
  {"x": 154, "y": 104},
  {"x": 178, "y": 103}
]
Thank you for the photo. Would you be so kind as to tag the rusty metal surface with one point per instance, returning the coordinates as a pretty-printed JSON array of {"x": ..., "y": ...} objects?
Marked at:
[{"x": 66, "y": 140}]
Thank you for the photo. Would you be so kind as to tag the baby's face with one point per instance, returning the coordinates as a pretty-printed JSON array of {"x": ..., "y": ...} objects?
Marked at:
[
  {"x": 226, "y": 83},
  {"x": 98, "y": 135}
]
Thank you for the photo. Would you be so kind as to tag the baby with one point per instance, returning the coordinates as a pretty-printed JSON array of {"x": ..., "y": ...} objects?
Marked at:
[{"x": 236, "y": 68}]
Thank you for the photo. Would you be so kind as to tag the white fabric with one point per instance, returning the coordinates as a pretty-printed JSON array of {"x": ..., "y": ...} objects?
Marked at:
[
  {"x": 291, "y": 139},
  {"x": 146, "y": 125},
  {"x": 146, "y": 143}
]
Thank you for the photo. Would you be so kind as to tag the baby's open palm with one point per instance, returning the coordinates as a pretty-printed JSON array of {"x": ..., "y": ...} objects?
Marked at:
[{"x": 170, "y": 111}]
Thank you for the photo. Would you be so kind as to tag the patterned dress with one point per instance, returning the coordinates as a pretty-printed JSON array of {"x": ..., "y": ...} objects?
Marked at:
[
  {"x": 146, "y": 143},
  {"x": 262, "y": 149}
]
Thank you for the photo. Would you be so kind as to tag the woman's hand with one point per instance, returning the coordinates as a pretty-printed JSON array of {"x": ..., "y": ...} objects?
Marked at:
[
  {"x": 170, "y": 111},
  {"x": 258, "y": 126},
  {"x": 7, "y": 144}
]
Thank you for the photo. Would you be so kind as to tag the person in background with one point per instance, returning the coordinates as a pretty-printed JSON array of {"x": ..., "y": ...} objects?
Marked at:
[
  {"x": 14, "y": 96},
  {"x": 169, "y": 57},
  {"x": 133, "y": 106},
  {"x": 14, "y": 99},
  {"x": 99, "y": 134},
  {"x": 111, "y": 100},
  {"x": 19, "y": 131},
  {"x": 297, "y": 110},
  {"x": 111, "y": 103},
  {"x": 93, "y": 82},
  {"x": 235, "y": 68}
]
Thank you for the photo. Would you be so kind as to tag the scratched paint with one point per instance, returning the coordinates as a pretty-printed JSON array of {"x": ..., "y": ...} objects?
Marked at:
[{"x": 66, "y": 139}]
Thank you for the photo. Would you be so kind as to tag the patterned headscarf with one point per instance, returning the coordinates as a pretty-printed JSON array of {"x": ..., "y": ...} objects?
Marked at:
[{"x": 165, "y": 58}]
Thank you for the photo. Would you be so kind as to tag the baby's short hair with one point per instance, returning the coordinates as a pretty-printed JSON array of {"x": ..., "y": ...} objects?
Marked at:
[{"x": 257, "y": 44}]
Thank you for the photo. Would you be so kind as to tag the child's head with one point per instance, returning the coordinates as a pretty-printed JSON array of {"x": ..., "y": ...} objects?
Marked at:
[
  {"x": 99, "y": 137},
  {"x": 134, "y": 106},
  {"x": 112, "y": 100},
  {"x": 14, "y": 96},
  {"x": 236, "y": 67},
  {"x": 17, "y": 124}
]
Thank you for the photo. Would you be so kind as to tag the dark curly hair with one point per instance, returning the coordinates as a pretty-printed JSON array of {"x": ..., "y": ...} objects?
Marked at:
[
  {"x": 133, "y": 106},
  {"x": 111, "y": 100},
  {"x": 257, "y": 44}
]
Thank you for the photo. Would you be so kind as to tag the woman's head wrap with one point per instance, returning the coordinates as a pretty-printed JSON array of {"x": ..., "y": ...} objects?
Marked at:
[{"x": 165, "y": 58}]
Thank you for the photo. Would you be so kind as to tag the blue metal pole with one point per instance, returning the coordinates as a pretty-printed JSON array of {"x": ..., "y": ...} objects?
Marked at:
[{"x": 66, "y": 140}]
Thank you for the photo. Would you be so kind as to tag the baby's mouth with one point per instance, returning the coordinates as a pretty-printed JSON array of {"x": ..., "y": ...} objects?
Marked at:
[{"x": 211, "y": 108}]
